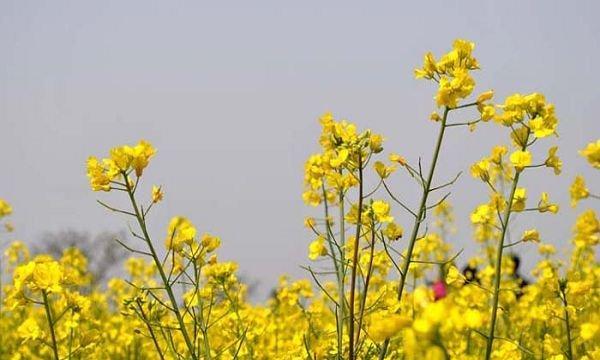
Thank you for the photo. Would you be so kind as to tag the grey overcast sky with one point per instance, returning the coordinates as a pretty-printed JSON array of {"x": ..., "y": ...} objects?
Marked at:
[{"x": 230, "y": 93}]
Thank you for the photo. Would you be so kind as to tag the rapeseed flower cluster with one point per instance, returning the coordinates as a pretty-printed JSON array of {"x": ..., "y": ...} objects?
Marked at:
[{"x": 378, "y": 286}]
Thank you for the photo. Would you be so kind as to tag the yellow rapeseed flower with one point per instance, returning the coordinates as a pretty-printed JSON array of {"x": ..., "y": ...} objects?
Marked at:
[
  {"x": 398, "y": 159},
  {"x": 157, "y": 194},
  {"x": 381, "y": 210},
  {"x": 520, "y": 159},
  {"x": 592, "y": 153},
  {"x": 382, "y": 170},
  {"x": 386, "y": 326},
  {"x": 317, "y": 248},
  {"x": 578, "y": 190},
  {"x": 553, "y": 161},
  {"x": 518, "y": 203},
  {"x": 210, "y": 242},
  {"x": 29, "y": 330},
  {"x": 454, "y": 277},
  {"x": 393, "y": 231},
  {"x": 5, "y": 208},
  {"x": 531, "y": 235},
  {"x": 544, "y": 204},
  {"x": 179, "y": 233}
]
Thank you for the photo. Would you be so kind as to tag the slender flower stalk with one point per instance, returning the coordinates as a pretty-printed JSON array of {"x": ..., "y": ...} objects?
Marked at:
[
  {"x": 563, "y": 297},
  {"x": 150, "y": 330},
  {"x": 203, "y": 324},
  {"x": 341, "y": 277},
  {"x": 338, "y": 264},
  {"x": 419, "y": 218},
  {"x": 50, "y": 319},
  {"x": 422, "y": 206},
  {"x": 355, "y": 258},
  {"x": 365, "y": 291},
  {"x": 161, "y": 271},
  {"x": 498, "y": 261}
]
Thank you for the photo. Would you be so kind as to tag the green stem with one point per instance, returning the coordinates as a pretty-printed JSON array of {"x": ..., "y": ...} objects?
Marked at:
[
  {"x": 355, "y": 258},
  {"x": 240, "y": 324},
  {"x": 419, "y": 218},
  {"x": 422, "y": 207},
  {"x": 498, "y": 265},
  {"x": 203, "y": 324},
  {"x": 568, "y": 325},
  {"x": 51, "y": 324},
  {"x": 341, "y": 277},
  {"x": 366, "y": 285},
  {"x": 150, "y": 330},
  {"x": 161, "y": 271},
  {"x": 338, "y": 274},
  {"x": 498, "y": 269}
]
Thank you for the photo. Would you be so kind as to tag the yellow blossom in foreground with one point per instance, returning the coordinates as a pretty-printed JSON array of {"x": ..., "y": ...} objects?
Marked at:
[
  {"x": 312, "y": 197},
  {"x": 487, "y": 112},
  {"x": 473, "y": 318},
  {"x": 451, "y": 90},
  {"x": 520, "y": 159},
  {"x": 48, "y": 276},
  {"x": 42, "y": 274},
  {"x": 507, "y": 350},
  {"x": 592, "y": 153},
  {"x": 209, "y": 242},
  {"x": 589, "y": 330},
  {"x": 546, "y": 249},
  {"x": 429, "y": 67},
  {"x": 398, "y": 158},
  {"x": 382, "y": 170},
  {"x": 454, "y": 277},
  {"x": 376, "y": 143},
  {"x": 317, "y": 248},
  {"x": 519, "y": 199},
  {"x": 393, "y": 231},
  {"x": 531, "y": 235},
  {"x": 340, "y": 158},
  {"x": 483, "y": 214},
  {"x": 180, "y": 232},
  {"x": 578, "y": 190},
  {"x": 29, "y": 330},
  {"x": 141, "y": 154},
  {"x": 310, "y": 222},
  {"x": 533, "y": 107},
  {"x": 435, "y": 117},
  {"x": 452, "y": 73},
  {"x": 587, "y": 230},
  {"x": 485, "y": 96},
  {"x": 97, "y": 172},
  {"x": 381, "y": 210},
  {"x": 157, "y": 194},
  {"x": 5, "y": 208},
  {"x": 481, "y": 170},
  {"x": 221, "y": 272},
  {"x": 385, "y": 326},
  {"x": 544, "y": 204},
  {"x": 122, "y": 160},
  {"x": 553, "y": 161}
]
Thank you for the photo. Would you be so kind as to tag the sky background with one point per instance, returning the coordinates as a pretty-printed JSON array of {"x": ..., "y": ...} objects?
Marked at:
[{"x": 230, "y": 92}]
